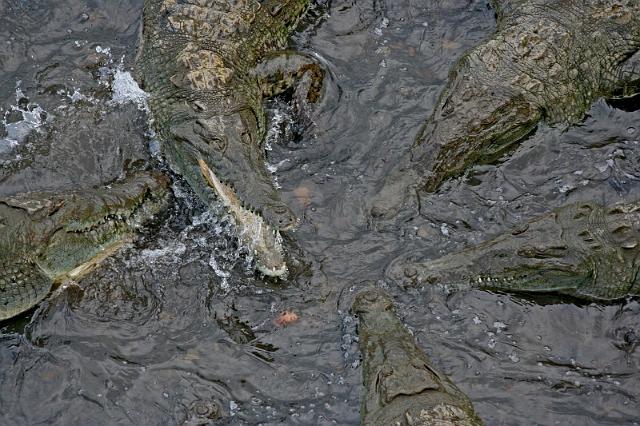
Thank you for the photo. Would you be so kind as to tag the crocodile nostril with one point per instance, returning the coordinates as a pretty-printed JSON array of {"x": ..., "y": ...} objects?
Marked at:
[
  {"x": 410, "y": 271},
  {"x": 284, "y": 218},
  {"x": 280, "y": 217}
]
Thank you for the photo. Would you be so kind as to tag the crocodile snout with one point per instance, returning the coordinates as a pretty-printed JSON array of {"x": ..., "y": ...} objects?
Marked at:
[
  {"x": 280, "y": 217},
  {"x": 372, "y": 300}
]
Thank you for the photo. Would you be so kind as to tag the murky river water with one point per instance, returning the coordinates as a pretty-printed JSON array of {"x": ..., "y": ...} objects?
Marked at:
[{"x": 174, "y": 327}]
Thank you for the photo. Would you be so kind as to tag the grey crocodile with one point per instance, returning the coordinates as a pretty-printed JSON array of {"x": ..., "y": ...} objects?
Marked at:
[
  {"x": 584, "y": 250},
  {"x": 208, "y": 65},
  {"x": 47, "y": 238},
  {"x": 401, "y": 386},
  {"x": 548, "y": 61}
]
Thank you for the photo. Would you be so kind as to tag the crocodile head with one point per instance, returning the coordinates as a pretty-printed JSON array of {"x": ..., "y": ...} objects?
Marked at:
[
  {"x": 254, "y": 233},
  {"x": 198, "y": 62},
  {"x": 221, "y": 156},
  {"x": 472, "y": 123},
  {"x": 88, "y": 226},
  {"x": 46, "y": 238},
  {"x": 581, "y": 249},
  {"x": 460, "y": 133},
  {"x": 497, "y": 269},
  {"x": 401, "y": 385}
]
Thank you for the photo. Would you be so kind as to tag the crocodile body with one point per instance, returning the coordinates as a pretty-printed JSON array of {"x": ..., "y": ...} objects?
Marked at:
[
  {"x": 584, "y": 250},
  {"x": 47, "y": 238},
  {"x": 549, "y": 60},
  {"x": 401, "y": 386},
  {"x": 207, "y": 65}
]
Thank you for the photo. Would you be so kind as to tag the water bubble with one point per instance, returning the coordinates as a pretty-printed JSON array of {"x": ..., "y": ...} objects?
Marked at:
[{"x": 233, "y": 408}]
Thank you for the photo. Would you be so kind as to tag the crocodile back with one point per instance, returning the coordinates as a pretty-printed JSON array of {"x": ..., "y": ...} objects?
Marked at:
[{"x": 22, "y": 285}]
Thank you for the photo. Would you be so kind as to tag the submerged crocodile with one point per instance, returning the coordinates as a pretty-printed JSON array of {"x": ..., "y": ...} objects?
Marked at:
[
  {"x": 208, "y": 64},
  {"x": 401, "y": 385},
  {"x": 47, "y": 238},
  {"x": 584, "y": 250},
  {"x": 548, "y": 61}
]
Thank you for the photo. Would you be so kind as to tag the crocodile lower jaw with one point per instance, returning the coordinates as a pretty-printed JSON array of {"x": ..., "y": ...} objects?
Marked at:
[
  {"x": 263, "y": 241},
  {"x": 109, "y": 250}
]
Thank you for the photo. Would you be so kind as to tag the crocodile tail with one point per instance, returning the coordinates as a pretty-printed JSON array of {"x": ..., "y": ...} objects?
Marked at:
[{"x": 22, "y": 285}]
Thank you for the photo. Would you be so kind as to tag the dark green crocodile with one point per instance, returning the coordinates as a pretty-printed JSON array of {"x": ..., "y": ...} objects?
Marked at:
[
  {"x": 401, "y": 386},
  {"x": 583, "y": 250},
  {"x": 549, "y": 60},
  {"x": 47, "y": 238},
  {"x": 208, "y": 65}
]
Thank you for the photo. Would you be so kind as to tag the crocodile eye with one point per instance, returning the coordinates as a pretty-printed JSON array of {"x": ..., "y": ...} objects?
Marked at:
[
  {"x": 279, "y": 216},
  {"x": 199, "y": 106},
  {"x": 219, "y": 144},
  {"x": 246, "y": 138},
  {"x": 275, "y": 10},
  {"x": 447, "y": 108},
  {"x": 208, "y": 131}
]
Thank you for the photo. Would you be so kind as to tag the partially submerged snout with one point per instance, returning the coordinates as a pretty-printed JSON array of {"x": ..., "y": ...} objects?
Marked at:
[
  {"x": 220, "y": 155},
  {"x": 411, "y": 269},
  {"x": 263, "y": 240},
  {"x": 371, "y": 301},
  {"x": 228, "y": 144},
  {"x": 280, "y": 216},
  {"x": 47, "y": 238},
  {"x": 494, "y": 271},
  {"x": 581, "y": 249},
  {"x": 401, "y": 385}
]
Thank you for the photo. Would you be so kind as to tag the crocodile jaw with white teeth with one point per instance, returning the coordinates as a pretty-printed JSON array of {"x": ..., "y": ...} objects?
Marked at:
[
  {"x": 263, "y": 241},
  {"x": 47, "y": 238}
]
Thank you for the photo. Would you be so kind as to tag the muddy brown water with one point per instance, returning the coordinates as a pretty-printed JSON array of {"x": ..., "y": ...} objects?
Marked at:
[{"x": 175, "y": 328}]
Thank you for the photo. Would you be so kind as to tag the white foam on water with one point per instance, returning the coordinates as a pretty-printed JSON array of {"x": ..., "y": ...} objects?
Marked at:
[
  {"x": 499, "y": 326},
  {"x": 224, "y": 285},
  {"x": 273, "y": 134},
  {"x": 75, "y": 96},
  {"x": 125, "y": 89},
  {"x": 274, "y": 129},
  {"x": 280, "y": 128},
  {"x": 122, "y": 84},
  {"x": 33, "y": 117},
  {"x": 233, "y": 408},
  {"x": 384, "y": 23},
  {"x": 171, "y": 249}
]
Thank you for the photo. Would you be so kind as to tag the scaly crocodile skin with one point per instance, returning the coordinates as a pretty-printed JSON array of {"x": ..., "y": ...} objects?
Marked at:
[
  {"x": 583, "y": 249},
  {"x": 46, "y": 238},
  {"x": 549, "y": 60},
  {"x": 204, "y": 63},
  {"x": 401, "y": 386}
]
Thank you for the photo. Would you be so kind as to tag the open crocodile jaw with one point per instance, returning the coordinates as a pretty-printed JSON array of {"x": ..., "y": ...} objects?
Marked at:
[{"x": 254, "y": 232}]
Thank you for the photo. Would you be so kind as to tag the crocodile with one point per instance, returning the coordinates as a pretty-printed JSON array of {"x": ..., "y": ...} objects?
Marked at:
[
  {"x": 401, "y": 386},
  {"x": 548, "y": 61},
  {"x": 208, "y": 65},
  {"x": 584, "y": 250},
  {"x": 47, "y": 238}
]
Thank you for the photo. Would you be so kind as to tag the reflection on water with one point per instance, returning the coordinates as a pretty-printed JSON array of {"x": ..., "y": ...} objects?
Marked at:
[{"x": 175, "y": 329}]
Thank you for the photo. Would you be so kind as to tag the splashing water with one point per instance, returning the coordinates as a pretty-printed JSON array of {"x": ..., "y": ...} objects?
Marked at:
[{"x": 21, "y": 119}]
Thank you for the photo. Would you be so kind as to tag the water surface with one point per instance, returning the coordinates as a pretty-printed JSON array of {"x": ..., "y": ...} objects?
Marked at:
[{"x": 176, "y": 327}]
